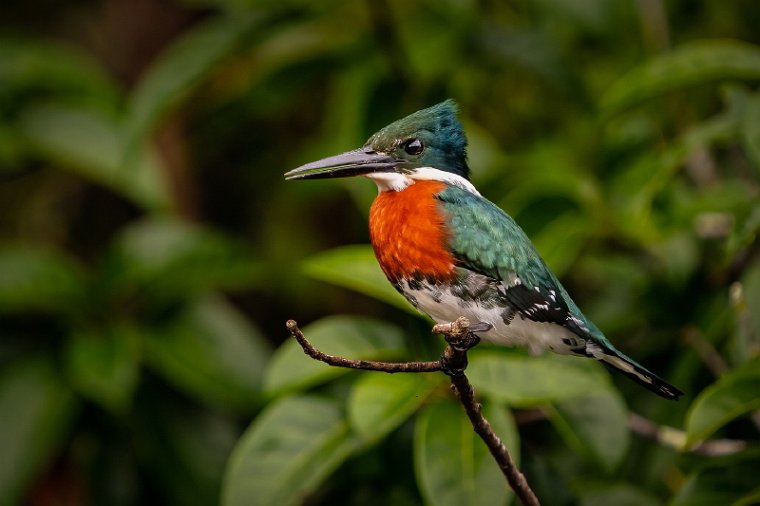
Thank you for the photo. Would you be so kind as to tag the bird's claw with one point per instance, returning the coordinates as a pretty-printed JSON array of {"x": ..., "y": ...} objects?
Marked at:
[
  {"x": 463, "y": 344},
  {"x": 453, "y": 365},
  {"x": 461, "y": 337},
  {"x": 454, "y": 357}
]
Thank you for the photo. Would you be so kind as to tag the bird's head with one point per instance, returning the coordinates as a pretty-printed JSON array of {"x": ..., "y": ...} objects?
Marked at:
[{"x": 428, "y": 144}]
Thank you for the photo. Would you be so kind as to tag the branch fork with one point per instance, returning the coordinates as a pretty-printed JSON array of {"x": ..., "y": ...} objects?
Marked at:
[{"x": 460, "y": 338}]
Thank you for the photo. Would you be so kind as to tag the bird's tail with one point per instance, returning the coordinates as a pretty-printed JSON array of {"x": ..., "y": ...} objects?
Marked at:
[{"x": 614, "y": 359}]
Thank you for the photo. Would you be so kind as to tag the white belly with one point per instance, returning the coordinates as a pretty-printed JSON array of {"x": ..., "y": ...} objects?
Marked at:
[{"x": 537, "y": 337}]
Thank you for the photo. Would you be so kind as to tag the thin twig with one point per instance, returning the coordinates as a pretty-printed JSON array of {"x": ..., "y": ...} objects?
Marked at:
[
  {"x": 751, "y": 341},
  {"x": 706, "y": 351},
  {"x": 676, "y": 439},
  {"x": 460, "y": 338},
  {"x": 494, "y": 443},
  {"x": 664, "y": 435},
  {"x": 370, "y": 365}
]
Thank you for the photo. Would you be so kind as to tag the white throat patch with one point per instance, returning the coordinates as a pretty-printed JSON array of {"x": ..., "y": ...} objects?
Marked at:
[
  {"x": 390, "y": 181},
  {"x": 394, "y": 181},
  {"x": 431, "y": 174}
]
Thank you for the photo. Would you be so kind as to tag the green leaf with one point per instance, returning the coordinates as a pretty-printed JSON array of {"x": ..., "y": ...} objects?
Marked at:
[
  {"x": 528, "y": 381},
  {"x": 37, "y": 411},
  {"x": 34, "y": 278},
  {"x": 654, "y": 171},
  {"x": 287, "y": 453},
  {"x": 555, "y": 170},
  {"x": 430, "y": 42},
  {"x": 183, "y": 447},
  {"x": 103, "y": 365},
  {"x": 562, "y": 240},
  {"x": 617, "y": 495},
  {"x": 89, "y": 144},
  {"x": 749, "y": 499},
  {"x": 346, "y": 336},
  {"x": 745, "y": 296},
  {"x": 30, "y": 64},
  {"x": 12, "y": 148},
  {"x": 733, "y": 483},
  {"x": 595, "y": 425},
  {"x": 733, "y": 395},
  {"x": 212, "y": 352},
  {"x": 452, "y": 464},
  {"x": 750, "y": 134},
  {"x": 355, "y": 267},
  {"x": 306, "y": 40},
  {"x": 184, "y": 66},
  {"x": 380, "y": 402},
  {"x": 166, "y": 259},
  {"x": 688, "y": 65}
]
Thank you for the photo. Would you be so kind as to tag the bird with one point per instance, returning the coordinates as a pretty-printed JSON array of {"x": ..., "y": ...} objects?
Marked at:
[{"x": 451, "y": 252}]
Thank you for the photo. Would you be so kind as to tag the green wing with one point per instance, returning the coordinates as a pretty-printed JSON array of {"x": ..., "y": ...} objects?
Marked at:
[{"x": 486, "y": 240}]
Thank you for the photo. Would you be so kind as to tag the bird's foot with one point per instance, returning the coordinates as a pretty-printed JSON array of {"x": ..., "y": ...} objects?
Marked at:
[
  {"x": 461, "y": 337},
  {"x": 454, "y": 357},
  {"x": 463, "y": 343},
  {"x": 460, "y": 330},
  {"x": 466, "y": 338}
]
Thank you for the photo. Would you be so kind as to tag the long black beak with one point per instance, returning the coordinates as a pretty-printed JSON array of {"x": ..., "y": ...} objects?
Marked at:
[{"x": 351, "y": 163}]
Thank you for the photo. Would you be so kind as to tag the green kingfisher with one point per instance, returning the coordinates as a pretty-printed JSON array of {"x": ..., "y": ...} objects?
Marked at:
[{"x": 453, "y": 253}]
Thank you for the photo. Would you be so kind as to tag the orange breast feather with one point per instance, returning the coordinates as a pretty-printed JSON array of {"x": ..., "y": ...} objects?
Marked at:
[{"x": 408, "y": 233}]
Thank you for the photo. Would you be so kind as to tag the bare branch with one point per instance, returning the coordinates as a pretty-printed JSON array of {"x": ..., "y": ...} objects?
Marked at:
[
  {"x": 676, "y": 439},
  {"x": 460, "y": 338},
  {"x": 706, "y": 351},
  {"x": 389, "y": 367}
]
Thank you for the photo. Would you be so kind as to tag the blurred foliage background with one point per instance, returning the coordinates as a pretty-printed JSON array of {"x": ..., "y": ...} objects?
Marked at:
[{"x": 150, "y": 251}]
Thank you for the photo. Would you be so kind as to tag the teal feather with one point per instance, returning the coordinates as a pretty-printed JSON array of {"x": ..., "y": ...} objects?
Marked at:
[
  {"x": 489, "y": 241},
  {"x": 486, "y": 240},
  {"x": 439, "y": 130}
]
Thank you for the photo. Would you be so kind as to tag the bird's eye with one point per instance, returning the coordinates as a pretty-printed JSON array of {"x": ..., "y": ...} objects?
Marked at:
[{"x": 413, "y": 147}]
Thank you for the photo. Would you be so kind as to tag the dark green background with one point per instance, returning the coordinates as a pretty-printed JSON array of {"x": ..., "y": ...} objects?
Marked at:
[{"x": 150, "y": 250}]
